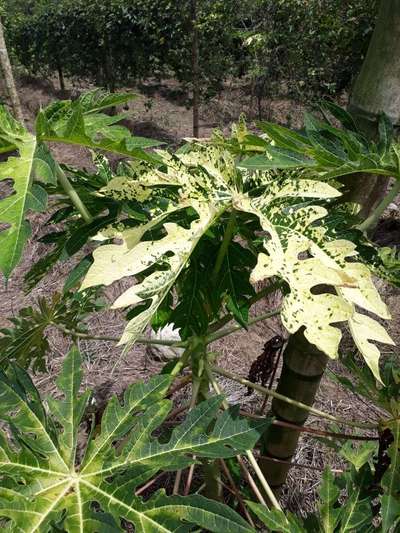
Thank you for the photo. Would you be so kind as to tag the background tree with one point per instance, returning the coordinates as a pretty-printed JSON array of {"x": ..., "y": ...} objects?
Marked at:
[{"x": 8, "y": 77}]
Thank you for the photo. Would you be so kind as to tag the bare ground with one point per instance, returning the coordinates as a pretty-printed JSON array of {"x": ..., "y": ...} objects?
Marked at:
[{"x": 157, "y": 113}]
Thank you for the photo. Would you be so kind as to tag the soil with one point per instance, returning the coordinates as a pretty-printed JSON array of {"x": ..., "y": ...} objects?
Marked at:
[{"x": 160, "y": 112}]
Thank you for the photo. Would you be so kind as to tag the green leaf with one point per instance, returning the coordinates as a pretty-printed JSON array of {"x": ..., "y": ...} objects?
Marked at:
[
  {"x": 329, "y": 494},
  {"x": 22, "y": 197},
  {"x": 277, "y": 520},
  {"x": 359, "y": 455},
  {"x": 70, "y": 409},
  {"x": 390, "y": 500},
  {"x": 330, "y": 151},
  {"x": 81, "y": 123},
  {"x": 355, "y": 512},
  {"x": 336, "y": 514},
  {"x": 26, "y": 342},
  {"x": 43, "y": 483},
  {"x": 346, "y": 120},
  {"x": 276, "y": 158},
  {"x": 77, "y": 273}
]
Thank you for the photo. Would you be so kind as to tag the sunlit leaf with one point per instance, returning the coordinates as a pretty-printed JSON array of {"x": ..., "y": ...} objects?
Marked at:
[{"x": 44, "y": 483}]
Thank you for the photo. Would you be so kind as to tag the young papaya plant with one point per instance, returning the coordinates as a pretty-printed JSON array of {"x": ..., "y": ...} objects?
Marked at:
[{"x": 194, "y": 232}]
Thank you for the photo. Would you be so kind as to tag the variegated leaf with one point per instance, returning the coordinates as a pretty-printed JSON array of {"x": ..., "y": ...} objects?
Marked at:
[
  {"x": 44, "y": 486},
  {"x": 297, "y": 247}
]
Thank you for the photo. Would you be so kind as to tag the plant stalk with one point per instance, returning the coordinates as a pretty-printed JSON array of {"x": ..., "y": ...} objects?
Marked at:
[
  {"x": 229, "y": 231},
  {"x": 249, "y": 453},
  {"x": 374, "y": 217},
  {"x": 195, "y": 394},
  {"x": 310, "y": 430},
  {"x": 219, "y": 334},
  {"x": 236, "y": 492},
  {"x": 140, "y": 340},
  {"x": 313, "y": 410},
  {"x": 73, "y": 195}
]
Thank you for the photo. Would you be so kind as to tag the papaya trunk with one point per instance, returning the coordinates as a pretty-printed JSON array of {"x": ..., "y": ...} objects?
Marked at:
[
  {"x": 376, "y": 90},
  {"x": 9, "y": 78},
  {"x": 303, "y": 368},
  {"x": 211, "y": 470}
]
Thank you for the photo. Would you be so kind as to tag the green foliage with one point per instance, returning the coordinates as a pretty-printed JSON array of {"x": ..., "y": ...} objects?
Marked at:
[
  {"x": 309, "y": 48},
  {"x": 26, "y": 342},
  {"x": 119, "y": 40},
  {"x": 206, "y": 179},
  {"x": 25, "y": 194},
  {"x": 80, "y": 123},
  {"x": 335, "y": 513},
  {"x": 328, "y": 150},
  {"x": 305, "y": 48},
  {"x": 45, "y": 481}
]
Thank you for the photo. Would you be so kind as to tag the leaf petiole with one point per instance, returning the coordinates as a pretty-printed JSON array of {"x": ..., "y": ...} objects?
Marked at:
[{"x": 313, "y": 410}]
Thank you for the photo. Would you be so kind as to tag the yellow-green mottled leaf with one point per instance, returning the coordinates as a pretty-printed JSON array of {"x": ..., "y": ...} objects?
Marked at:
[{"x": 43, "y": 485}]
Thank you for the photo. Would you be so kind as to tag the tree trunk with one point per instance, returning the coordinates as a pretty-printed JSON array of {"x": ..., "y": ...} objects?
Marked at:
[
  {"x": 303, "y": 368},
  {"x": 9, "y": 78},
  {"x": 108, "y": 66},
  {"x": 376, "y": 90},
  {"x": 195, "y": 68},
  {"x": 60, "y": 76}
]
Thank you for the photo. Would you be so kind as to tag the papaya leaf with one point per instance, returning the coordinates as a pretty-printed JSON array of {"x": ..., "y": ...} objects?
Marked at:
[
  {"x": 44, "y": 481},
  {"x": 298, "y": 252},
  {"x": 277, "y": 520},
  {"x": 390, "y": 500},
  {"x": 24, "y": 195},
  {"x": 329, "y": 151},
  {"x": 335, "y": 514},
  {"x": 329, "y": 494},
  {"x": 204, "y": 190},
  {"x": 26, "y": 341},
  {"x": 358, "y": 456},
  {"x": 297, "y": 247},
  {"x": 81, "y": 123}
]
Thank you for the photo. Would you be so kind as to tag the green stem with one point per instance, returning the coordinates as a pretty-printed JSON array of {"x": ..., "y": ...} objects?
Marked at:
[
  {"x": 229, "y": 230},
  {"x": 268, "y": 491},
  {"x": 219, "y": 334},
  {"x": 261, "y": 294},
  {"x": 73, "y": 195},
  {"x": 313, "y": 410},
  {"x": 140, "y": 340},
  {"x": 374, "y": 217},
  {"x": 249, "y": 453},
  {"x": 195, "y": 394},
  {"x": 183, "y": 361}
]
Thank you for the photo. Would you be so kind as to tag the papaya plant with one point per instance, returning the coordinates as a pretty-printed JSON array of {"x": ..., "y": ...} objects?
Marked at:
[{"x": 194, "y": 232}]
